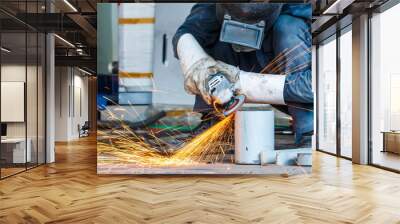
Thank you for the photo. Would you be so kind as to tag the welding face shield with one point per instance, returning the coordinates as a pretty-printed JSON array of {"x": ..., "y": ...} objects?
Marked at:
[{"x": 244, "y": 24}]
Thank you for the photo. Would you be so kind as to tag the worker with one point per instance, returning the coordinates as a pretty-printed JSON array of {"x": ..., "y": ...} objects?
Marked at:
[{"x": 239, "y": 40}]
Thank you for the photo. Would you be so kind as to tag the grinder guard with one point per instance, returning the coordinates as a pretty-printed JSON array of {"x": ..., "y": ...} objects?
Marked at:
[{"x": 222, "y": 91}]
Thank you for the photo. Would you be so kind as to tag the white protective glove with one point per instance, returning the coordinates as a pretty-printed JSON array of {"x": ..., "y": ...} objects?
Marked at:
[
  {"x": 197, "y": 65},
  {"x": 257, "y": 87}
]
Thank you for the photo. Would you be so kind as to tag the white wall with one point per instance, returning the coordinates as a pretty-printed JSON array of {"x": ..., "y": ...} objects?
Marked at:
[
  {"x": 61, "y": 105},
  {"x": 80, "y": 112},
  {"x": 33, "y": 126},
  {"x": 71, "y": 102},
  {"x": 16, "y": 73}
]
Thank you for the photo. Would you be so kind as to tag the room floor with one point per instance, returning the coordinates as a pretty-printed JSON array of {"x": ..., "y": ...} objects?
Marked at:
[
  {"x": 387, "y": 159},
  {"x": 70, "y": 191}
]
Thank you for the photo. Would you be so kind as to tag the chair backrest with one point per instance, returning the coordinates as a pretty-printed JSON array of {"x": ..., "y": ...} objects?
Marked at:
[{"x": 86, "y": 125}]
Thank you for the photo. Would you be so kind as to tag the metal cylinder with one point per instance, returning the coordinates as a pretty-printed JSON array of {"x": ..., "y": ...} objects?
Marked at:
[{"x": 254, "y": 133}]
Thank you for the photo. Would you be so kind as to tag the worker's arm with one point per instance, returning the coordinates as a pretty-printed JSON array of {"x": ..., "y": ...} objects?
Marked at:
[
  {"x": 202, "y": 24},
  {"x": 197, "y": 66},
  {"x": 274, "y": 89},
  {"x": 291, "y": 30},
  {"x": 200, "y": 30},
  {"x": 298, "y": 88},
  {"x": 261, "y": 88}
]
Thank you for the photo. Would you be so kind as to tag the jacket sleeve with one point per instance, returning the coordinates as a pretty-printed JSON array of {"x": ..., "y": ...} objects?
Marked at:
[
  {"x": 202, "y": 23},
  {"x": 298, "y": 87},
  {"x": 303, "y": 10}
]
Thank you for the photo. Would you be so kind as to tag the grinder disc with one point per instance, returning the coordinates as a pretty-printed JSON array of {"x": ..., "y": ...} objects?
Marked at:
[{"x": 235, "y": 104}]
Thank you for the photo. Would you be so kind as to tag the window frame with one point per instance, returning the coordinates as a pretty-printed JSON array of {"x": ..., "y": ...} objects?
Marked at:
[
  {"x": 381, "y": 9},
  {"x": 333, "y": 37}
]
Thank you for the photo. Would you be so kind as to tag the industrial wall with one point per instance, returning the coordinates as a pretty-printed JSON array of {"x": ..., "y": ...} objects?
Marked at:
[
  {"x": 148, "y": 71},
  {"x": 168, "y": 77},
  {"x": 135, "y": 22}
]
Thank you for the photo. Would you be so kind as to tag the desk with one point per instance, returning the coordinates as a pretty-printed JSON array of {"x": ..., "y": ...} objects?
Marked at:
[
  {"x": 391, "y": 141},
  {"x": 13, "y": 150}
]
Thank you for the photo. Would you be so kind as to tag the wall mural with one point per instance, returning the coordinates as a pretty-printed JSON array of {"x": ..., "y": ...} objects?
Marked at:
[{"x": 204, "y": 88}]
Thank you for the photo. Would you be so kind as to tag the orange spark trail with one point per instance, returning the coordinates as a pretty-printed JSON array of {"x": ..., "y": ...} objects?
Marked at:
[{"x": 206, "y": 147}]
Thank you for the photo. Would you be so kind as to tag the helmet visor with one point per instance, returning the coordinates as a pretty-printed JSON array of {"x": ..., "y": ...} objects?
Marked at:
[{"x": 243, "y": 34}]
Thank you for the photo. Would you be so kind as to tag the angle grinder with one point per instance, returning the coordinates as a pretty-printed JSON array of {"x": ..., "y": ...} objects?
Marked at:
[{"x": 222, "y": 91}]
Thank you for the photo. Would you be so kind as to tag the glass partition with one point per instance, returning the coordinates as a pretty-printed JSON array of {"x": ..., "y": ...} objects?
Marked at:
[
  {"x": 385, "y": 89},
  {"x": 15, "y": 150},
  {"x": 22, "y": 88},
  {"x": 32, "y": 97},
  {"x": 41, "y": 97},
  {"x": 346, "y": 93},
  {"x": 327, "y": 96}
]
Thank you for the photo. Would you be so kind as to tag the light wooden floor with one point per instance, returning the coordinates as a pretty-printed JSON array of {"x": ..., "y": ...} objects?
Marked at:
[
  {"x": 69, "y": 191},
  {"x": 387, "y": 159}
]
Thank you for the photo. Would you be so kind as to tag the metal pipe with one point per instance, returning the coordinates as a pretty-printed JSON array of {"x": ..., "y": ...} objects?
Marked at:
[{"x": 254, "y": 135}]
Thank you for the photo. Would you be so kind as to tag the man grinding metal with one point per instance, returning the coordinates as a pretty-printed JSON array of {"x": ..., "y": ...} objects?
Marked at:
[{"x": 238, "y": 40}]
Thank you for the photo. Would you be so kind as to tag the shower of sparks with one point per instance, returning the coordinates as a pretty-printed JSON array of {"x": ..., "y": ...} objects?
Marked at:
[
  {"x": 283, "y": 63},
  {"x": 207, "y": 147},
  {"x": 125, "y": 146}
]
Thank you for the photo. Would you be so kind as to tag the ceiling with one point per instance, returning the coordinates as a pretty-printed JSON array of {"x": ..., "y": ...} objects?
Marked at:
[
  {"x": 332, "y": 15},
  {"x": 72, "y": 20},
  {"x": 76, "y": 22}
]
